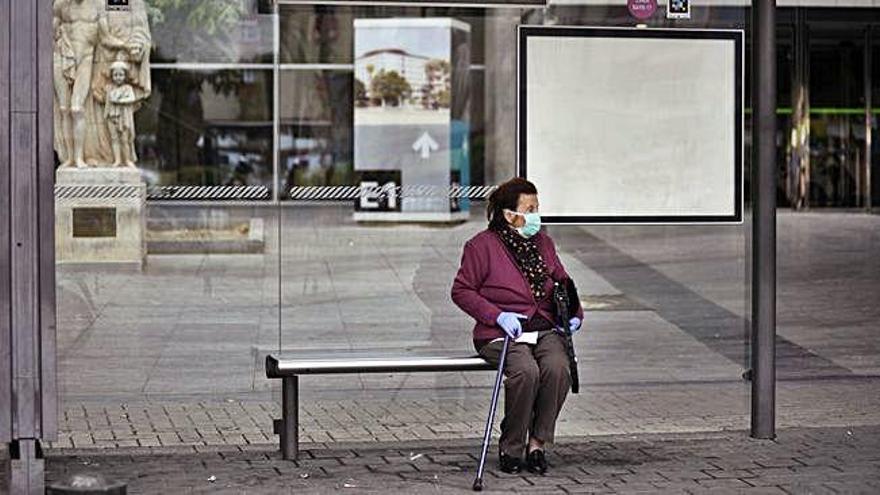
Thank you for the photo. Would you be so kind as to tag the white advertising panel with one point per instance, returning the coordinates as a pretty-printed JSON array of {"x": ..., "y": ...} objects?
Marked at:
[{"x": 632, "y": 125}]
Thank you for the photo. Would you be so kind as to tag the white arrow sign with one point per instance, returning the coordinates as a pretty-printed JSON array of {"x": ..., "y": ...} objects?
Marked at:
[{"x": 425, "y": 144}]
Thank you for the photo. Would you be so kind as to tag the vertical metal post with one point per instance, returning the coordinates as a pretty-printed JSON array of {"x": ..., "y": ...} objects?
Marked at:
[
  {"x": 764, "y": 219},
  {"x": 27, "y": 330},
  {"x": 290, "y": 418},
  {"x": 868, "y": 128},
  {"x": 44, "y": 219},
  {"x": 25, "y": 470},
  {"x": 5, "y": 331},
  {"x": 276, "y": 106}
]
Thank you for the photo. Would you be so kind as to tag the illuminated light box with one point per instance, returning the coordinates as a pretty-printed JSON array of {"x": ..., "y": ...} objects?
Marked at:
[{"x": 620, "y": 125}]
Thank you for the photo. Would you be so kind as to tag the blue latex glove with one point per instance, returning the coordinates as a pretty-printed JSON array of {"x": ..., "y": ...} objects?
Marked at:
[
  {"x": 510, "y": 323},
  {"x": 574, "y": 324}
]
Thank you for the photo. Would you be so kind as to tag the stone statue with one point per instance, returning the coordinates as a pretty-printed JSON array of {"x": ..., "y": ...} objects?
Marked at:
[
  {"x": 119, "y": 100},
  {"x": 88, "y": 40}
]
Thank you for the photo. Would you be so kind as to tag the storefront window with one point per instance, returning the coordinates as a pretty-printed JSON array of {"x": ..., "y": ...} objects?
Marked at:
[
  {"x": 874, "y": 172},
  {"x": 317, "y": 90},
  {"x": 219, "y": 31},
  {"x": 207, "y": 128},
  {"x": 837, "y": 117},
  {"x": 315, "y": 140}
]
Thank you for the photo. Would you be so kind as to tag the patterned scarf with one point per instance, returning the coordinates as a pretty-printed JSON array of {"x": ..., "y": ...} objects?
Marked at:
[{"x": 528, "y": 258}]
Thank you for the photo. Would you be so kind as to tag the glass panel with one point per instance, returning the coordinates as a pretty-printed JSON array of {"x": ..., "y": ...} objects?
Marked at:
[
  {"x": 163, "y": 309},
  {"x": 315, "y": 142},
  {"x": 316, "y": 133},
  {"x": 323, "y": 34},
  {"x": 667, "y": 306},
  {"x": 139, "y": 349},
  {"x": 166, "y": 346},
  {"x": 216, "y": 31},
  {"x": 785, "y": 159},
  {"x": 837, "y": 123},
  {"x": 875, "y": 111},
  {"x": 207, "y": 128},
  {"x": 837, "y": 144},
  {"x": 875, "y": 162}
]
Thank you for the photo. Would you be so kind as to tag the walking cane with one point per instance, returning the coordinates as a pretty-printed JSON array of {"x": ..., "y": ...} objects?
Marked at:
[{"x": 478, "y": 482}]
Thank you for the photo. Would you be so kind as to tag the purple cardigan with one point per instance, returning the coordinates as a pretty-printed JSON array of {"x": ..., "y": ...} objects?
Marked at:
[{"x": 489, "y": 282}]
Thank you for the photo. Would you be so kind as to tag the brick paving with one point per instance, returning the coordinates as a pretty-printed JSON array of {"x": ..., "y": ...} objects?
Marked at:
[
  {"x": 394, "y": 416},
  {"x": 800, "y": 460}
]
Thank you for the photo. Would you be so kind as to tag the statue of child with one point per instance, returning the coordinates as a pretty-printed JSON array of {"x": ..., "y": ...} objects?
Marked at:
[{"x": 119, "y": 111}]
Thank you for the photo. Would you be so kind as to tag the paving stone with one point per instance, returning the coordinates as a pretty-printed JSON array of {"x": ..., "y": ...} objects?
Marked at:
[{"x": 448, "y": 467}]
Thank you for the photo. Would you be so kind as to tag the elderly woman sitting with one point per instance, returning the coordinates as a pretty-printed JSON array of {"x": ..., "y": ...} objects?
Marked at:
[{"x": 505, "y": 283}]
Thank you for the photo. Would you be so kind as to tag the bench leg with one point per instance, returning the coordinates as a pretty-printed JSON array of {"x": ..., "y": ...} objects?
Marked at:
[{"x": 290, "y": 418}]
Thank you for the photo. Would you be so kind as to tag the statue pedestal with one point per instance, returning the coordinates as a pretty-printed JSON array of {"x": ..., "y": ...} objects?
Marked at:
[{"x": 100, "y": 216}]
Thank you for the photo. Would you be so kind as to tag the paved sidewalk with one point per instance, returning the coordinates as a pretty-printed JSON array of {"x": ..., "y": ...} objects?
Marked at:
[
  {"x": 458, "y": 412},
  {"x": 800, "y": 460}
]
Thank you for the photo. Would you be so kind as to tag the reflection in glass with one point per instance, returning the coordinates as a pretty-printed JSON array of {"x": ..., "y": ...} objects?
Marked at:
[
  {"x": 207, "y": 128},
  {"x": 874, "y": 174},
  {"x": 216, "y": 31},
  {"x": 316, "y": 133},
  {"x": 186, "y": 326},
  {"x": 325, "y": 34},
  {"x": 837, "y": 144},
  {"x": 315, "y": 140},
  {"x": 837, "y": 122}
]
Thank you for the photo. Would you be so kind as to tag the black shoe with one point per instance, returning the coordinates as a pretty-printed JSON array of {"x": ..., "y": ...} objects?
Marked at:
[
  {"x": 536, "y": 462},
  {"x": 509, "y": 464}
]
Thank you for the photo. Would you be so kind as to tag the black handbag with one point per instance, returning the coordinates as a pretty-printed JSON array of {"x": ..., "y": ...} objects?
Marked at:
[{"x": 566, "y": 298}]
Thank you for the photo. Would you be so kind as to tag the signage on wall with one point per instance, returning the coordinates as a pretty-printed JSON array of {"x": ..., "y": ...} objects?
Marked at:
[
  {"x": 678, "y": 9},
  {"x": 411, "y": 117},
  {"x": 641, "y": 9},
  {"x": 117, "y": 5},
  {"x": 379, "y": 191}
]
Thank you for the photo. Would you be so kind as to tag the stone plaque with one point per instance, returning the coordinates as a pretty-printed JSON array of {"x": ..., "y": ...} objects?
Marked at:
[
  {"x": 117, "y": 5},
  {"x": 94, "y": 222}
]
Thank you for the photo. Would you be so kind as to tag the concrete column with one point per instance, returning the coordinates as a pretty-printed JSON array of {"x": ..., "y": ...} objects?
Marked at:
[{"x": 500, "y": 96}]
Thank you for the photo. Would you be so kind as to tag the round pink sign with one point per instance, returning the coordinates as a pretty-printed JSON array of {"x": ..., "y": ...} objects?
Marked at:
[{"x": 641, "y": 9}]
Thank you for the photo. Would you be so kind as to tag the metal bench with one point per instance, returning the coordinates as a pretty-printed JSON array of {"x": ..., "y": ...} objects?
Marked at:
[{"x": 288, "y": 369}]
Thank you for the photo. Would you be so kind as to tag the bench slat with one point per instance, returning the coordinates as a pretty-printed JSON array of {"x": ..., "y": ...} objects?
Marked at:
[{"x": 280, "y": 367}]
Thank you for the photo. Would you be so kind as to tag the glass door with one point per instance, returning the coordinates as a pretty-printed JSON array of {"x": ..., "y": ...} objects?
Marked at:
[{"x": 837, "y": 116}]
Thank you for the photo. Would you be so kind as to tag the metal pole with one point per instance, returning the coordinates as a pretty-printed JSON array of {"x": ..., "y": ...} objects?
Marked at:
[
  {"x": 764, "y": 219},
  {"x": 868, "y": 127},
  {"x": 290, "y": 414}
]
